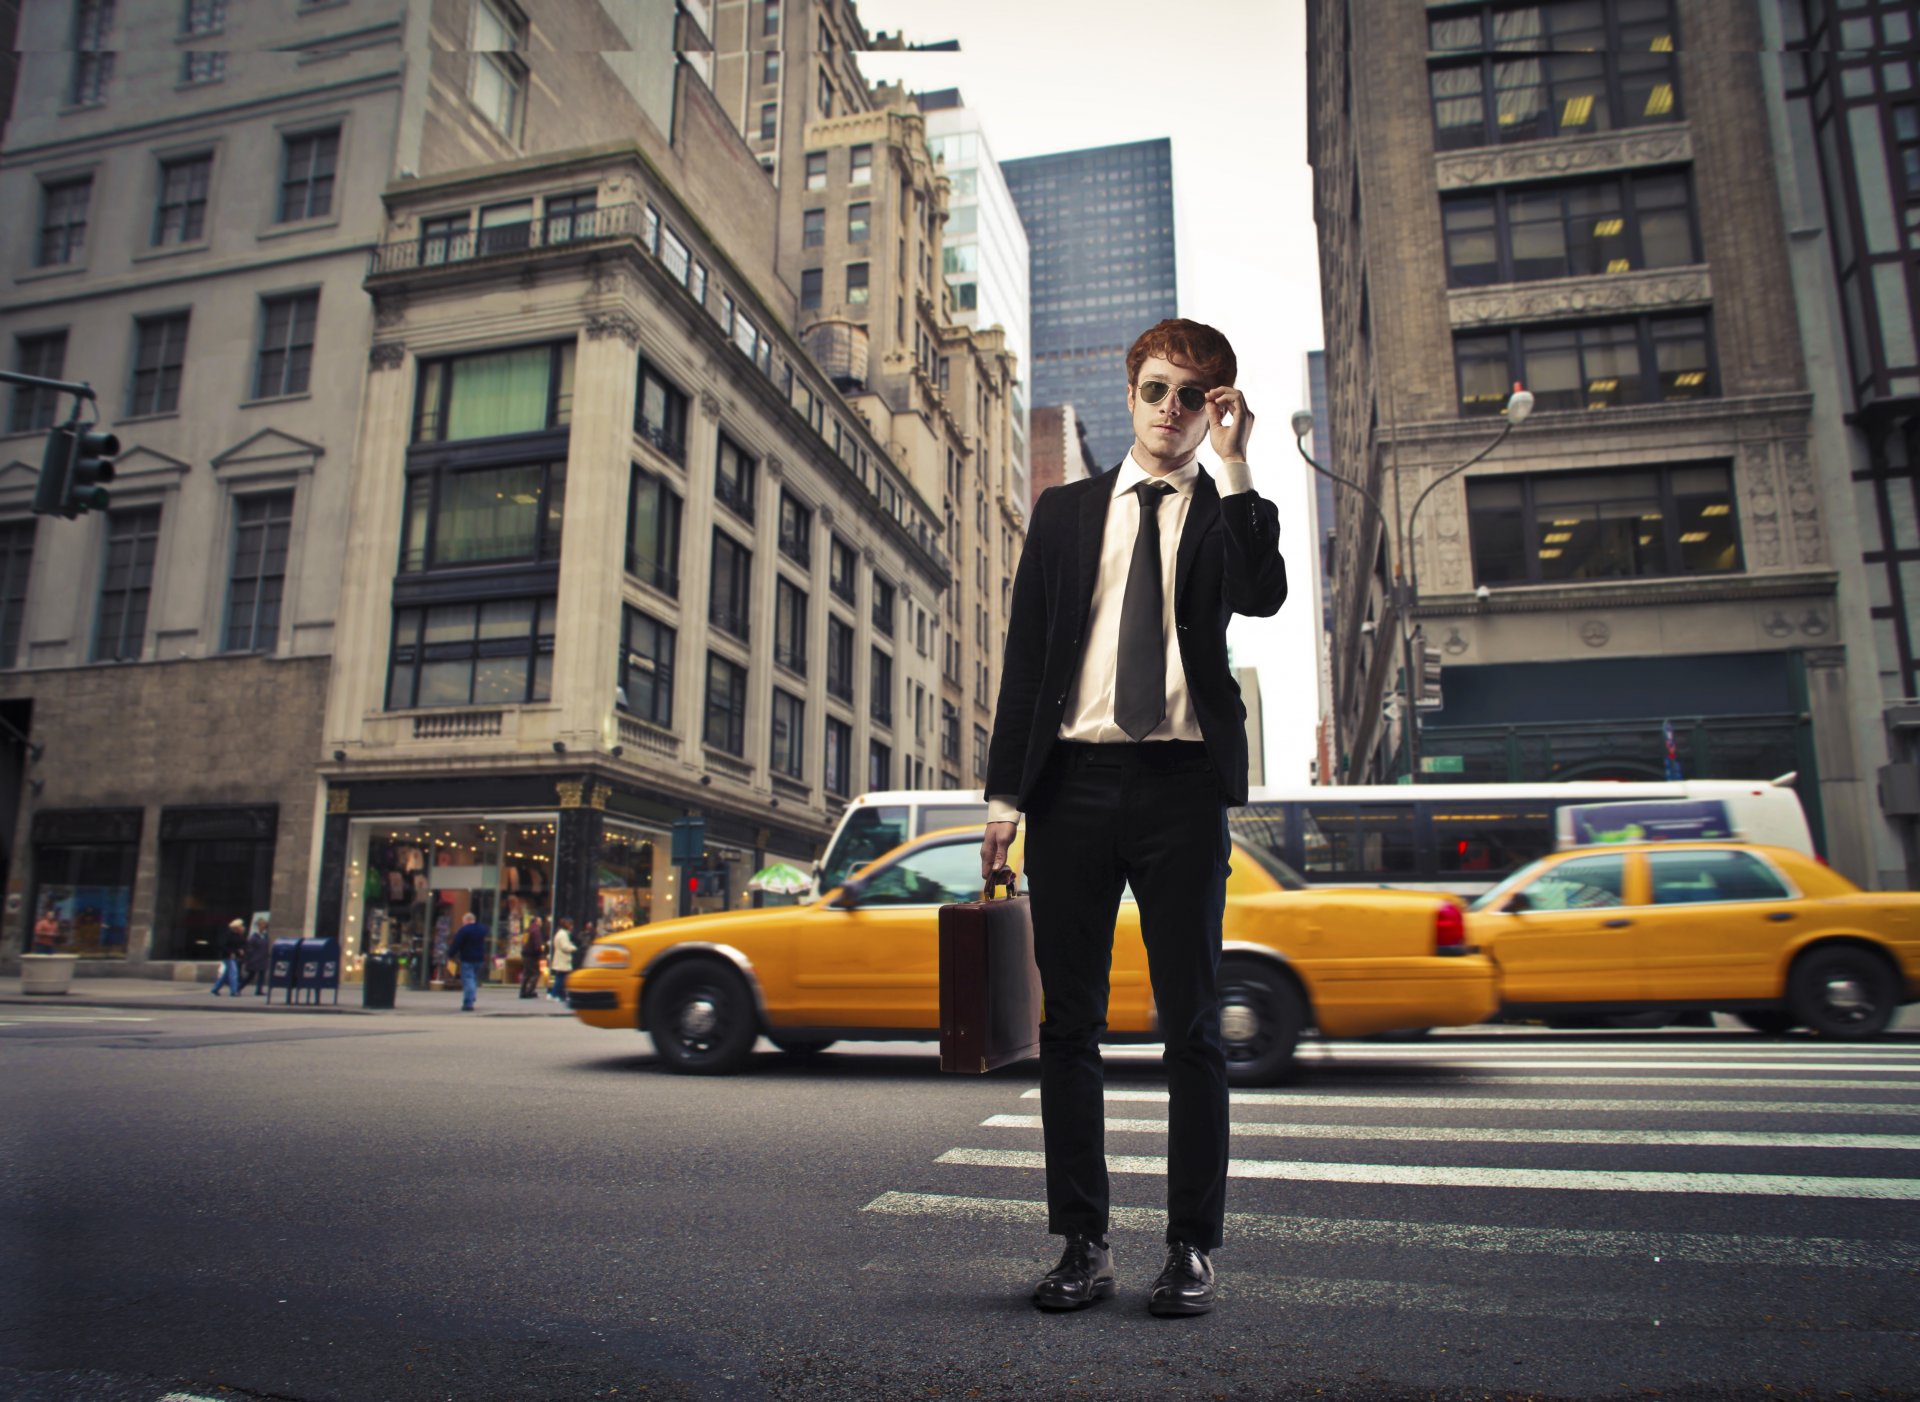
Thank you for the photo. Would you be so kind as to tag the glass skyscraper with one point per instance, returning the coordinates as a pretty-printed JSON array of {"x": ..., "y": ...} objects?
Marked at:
[{"x": 1100, "y": 226}]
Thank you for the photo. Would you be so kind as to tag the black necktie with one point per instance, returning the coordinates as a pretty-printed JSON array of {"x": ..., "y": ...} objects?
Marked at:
[{"x": 1140, "y": 683}]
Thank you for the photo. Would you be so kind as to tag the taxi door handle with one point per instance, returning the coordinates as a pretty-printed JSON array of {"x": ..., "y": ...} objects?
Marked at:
[
  {"x": 1615, "y": 924},
  {"x": 1780, "y": 915}
]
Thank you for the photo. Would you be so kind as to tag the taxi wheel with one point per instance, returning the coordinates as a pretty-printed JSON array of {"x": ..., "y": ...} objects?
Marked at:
[
  {"x": 801, "y": 1046},
  {"x": 1260, "y": 1020},
  {"x": 1771, "y": 1022},
  {"x": 701, "y": 1018},
  {"x": 1843, "y": 992}
]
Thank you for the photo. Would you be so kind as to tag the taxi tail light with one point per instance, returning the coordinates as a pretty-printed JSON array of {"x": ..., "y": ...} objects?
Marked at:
[{"x": 1449, "y": 930}]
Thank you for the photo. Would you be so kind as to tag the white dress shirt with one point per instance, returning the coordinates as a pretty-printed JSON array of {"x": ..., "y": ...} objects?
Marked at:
[{"x": 1088, "y": 716}]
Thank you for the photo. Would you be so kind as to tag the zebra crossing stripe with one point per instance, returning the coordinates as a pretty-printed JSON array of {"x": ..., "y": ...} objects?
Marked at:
[
  {"x": 1309, "y": 1100},
  {"x": 1439, "y": 1176},
  {"x": 1427, "y": 1134},
  {"x": 1690, "y": 1248}
]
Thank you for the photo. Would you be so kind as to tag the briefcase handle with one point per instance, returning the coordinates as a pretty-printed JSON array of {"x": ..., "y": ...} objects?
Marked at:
[{"x": 1002, "y": 876}]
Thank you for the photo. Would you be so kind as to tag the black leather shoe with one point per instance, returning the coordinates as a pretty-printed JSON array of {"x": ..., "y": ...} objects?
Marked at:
[
  {"x": 1185, "y": 1286},
  {"x": 1084, "y": 1275}
]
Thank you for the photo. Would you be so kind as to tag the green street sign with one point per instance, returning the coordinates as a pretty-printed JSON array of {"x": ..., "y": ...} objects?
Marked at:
[{"x": 1443, "y": 764}]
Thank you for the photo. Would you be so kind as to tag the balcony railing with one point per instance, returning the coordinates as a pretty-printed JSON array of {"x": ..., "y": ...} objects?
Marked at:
[
  {"x": 729, "y": 620},
  {"x": 506, "y": 241},
  {"x": 733, "y": 496},
  {"x": 674, "y": 445},
  {"x": 794, "y": 659}
]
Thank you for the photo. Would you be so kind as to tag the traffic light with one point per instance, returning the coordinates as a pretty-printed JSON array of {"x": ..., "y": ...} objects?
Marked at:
[
  {"x": 1426, "y": 671},
  {"x": 77, "y": 464}
]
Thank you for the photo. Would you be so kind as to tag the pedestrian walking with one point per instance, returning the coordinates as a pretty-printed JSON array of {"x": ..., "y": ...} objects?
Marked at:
[
  {"x": 232, "y": 945},
  {"x": 533, "y": 948},
  {"x": 1120, "y": 735},
  {"x": 46, "y": 932},
  {"x": 562, "y": 962},
  {"x": 468, "y": 952},
  {"x": 254, "y": 960}
]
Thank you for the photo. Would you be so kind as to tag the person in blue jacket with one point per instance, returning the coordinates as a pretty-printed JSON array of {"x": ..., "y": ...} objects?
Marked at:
[{"x": 469, "y": 951}]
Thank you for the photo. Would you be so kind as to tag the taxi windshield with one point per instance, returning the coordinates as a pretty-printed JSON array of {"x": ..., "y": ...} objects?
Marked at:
[{"x": 1487, "y": 900}]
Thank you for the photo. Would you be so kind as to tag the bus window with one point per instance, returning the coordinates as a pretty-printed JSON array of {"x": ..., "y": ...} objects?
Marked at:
[
  {"x": 1490, "y": 838},
  {"x": 1262, "y": 825},
  {"x": 1349, "y": 842},
  {"x": 866, "y": 833},
  {"x": 934, "y": 816}
]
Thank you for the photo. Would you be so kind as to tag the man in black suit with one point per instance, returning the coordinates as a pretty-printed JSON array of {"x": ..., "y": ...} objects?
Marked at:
[{"x": 1120, "y": 735}]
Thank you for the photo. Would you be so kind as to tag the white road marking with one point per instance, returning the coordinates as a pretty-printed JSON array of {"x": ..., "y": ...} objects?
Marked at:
[
  {"x": 1439, "y": 1047},
  {"x": 1425, "y": 1134},
  {"x": 1435, "y": 1176},
  {"x": 1309, "y": 1100},
  {"x": 75, "y": 1017},
  {"x": 1693, "y": 1248},
  {"x": 1891, "y": 1068},
  {"x": 1571, "y": 1079}
]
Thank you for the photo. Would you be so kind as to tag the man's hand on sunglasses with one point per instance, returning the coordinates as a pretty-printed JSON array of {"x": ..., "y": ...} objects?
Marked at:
[{"x": 1229, "y": 440}]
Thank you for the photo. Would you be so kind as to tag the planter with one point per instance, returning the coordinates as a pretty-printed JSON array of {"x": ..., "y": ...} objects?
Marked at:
[{"x": 46, "y": 973}]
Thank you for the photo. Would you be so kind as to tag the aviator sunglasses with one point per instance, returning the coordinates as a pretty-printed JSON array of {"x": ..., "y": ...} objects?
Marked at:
[{"x": 1192, "y": 398}]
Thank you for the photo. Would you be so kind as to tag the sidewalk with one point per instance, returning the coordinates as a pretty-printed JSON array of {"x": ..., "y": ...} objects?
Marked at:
[{"x": 109, "y": 991}]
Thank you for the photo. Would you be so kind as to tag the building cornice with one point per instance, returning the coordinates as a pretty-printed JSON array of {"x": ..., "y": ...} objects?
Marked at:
[
  {"x": 1551, "y": 300},
  {"x": 1484, "y": 166},
  {"x": 1632, "y": 594},
  {"x": 1741, "y": 412}
]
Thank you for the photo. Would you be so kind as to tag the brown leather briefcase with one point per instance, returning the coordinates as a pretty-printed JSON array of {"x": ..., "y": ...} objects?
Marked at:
[{"x": 989, "y": 988}]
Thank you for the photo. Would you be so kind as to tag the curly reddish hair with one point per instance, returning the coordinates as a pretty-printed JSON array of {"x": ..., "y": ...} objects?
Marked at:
[{"x": 1188, "y": 342}]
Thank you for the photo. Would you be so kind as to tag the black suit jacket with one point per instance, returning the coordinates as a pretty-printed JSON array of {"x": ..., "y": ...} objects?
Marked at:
[{"x": 1228, "y": 562}]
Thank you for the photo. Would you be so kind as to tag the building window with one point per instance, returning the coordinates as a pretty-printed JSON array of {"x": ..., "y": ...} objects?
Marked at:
[
  {"x": 857, "y": 284},
  {"x": 525, "y": 390},
  {"x": 733, "y": 478},
  {"x": 842, "y": 570},
  {"x": 859, "y": 216},
  {"x": 826, "y": 94},
  {"x": 126, "y": 585},
  {"x": 675, "y": 256},
  {"x": 306, "y": 175},
  {"x": 789, "y": 625},
  {"x": 653, "y": 532},
  {"x": 63, "y": 221},
  {"x": 949, "y": 733},
  {"x": 212, "y": 861},
  {"x": 816, "y": 170},
  {"x": 159, "y": 353},
  {"x": 444, "y": 239},
  {"x": 16, "y": 563},
  {"x": 1550, "y": 528},
  {"x": 496, "y": 653},
  {"x": 810, "y": 288},
  {"x": 570, "y": 216},
  {"x": 728, "y": 608},
  {"x": 1562, "y": 68},
  {"x": 788, "y": 757},
  {"x": 646, "y": 668},
  {"x": 979, "y": 752},
  {"x": 1613, "y": 226},
  {"x": 92, "y": 64},
  {"x": 725, "y": 725},
  {"x": 262, "y": 531},
  {"x": 697, "y": 283},
  {"x": 505, "y": 228},
  {"x": 202, "y": 66},
  {"x": 1648, "y": 360},
  {"x": 204, "y": 17},
  {"x": 770, "y": 66},
  {"x": 860, "y": 165},
  {"x": 839, "y": 658},
  {"x": 813, "y": 228},
  {"x": 769, "y": 120},
  {"x": 879, "y": 766},
  {"x": 35, "y": 406},
  {"x": 499, "y": 77},
  {"x": 770, "y": 18},
  {"x": 839, "y": 758},
  {"x": 882, "y": 606},
  {"x": 182, "y": 213},
  {"x": 880, "y": 687},
  {"x": 457, "y": 518},
  {"x": 660, "y": 413},
  {"x": 286, "y": 344},
  {"x": 796, "y": 529}
]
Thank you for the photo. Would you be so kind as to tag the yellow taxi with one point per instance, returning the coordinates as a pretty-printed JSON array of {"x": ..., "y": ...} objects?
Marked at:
[
  {"x": 1767, "y": 934},
  {"x": 862, "y": 963}
]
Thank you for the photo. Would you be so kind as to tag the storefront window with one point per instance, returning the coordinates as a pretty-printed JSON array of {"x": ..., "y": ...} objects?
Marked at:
[
  {"x": 411, "y": 885},
  {"x": 83, "y": 865},
  {"x": 216, "y": 865},
  {"x": 625, "y": 880}
]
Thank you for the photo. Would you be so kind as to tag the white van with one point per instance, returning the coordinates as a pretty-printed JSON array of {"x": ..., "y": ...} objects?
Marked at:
[
  {"x": 878, "y": 822},
  {"x": 1711, "y": 809}
]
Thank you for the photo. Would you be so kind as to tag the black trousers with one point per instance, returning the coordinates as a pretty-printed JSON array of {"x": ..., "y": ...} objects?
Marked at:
[{"x": 1104, "y": 816}]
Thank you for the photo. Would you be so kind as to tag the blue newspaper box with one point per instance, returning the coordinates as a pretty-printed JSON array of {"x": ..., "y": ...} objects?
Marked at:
[
  {"x": 319, "y": 969},
  {"x": 283, "y": 966}
]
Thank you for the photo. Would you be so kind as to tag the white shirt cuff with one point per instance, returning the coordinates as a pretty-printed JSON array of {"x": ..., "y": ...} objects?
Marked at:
[
  {"x": 1236, "y": 477},
  {"x": 1002, "y": 809}
]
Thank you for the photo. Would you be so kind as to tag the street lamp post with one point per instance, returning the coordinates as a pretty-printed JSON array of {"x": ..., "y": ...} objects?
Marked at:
[{"x": 1404, "y": 587}]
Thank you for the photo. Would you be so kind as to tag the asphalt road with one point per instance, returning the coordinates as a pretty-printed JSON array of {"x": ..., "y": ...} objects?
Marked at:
[{"x": 426, "y": 1206}]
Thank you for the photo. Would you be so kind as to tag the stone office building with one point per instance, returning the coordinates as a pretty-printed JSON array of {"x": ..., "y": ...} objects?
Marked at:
[{"x": 1580, "y": 197}]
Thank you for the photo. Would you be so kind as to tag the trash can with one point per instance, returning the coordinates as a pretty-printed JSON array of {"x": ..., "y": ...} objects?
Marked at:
[{"x": 382, "y": 978}]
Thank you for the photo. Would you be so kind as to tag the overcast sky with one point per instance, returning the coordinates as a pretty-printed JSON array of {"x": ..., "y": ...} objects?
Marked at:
[{"x": 1226, "y": 82}]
